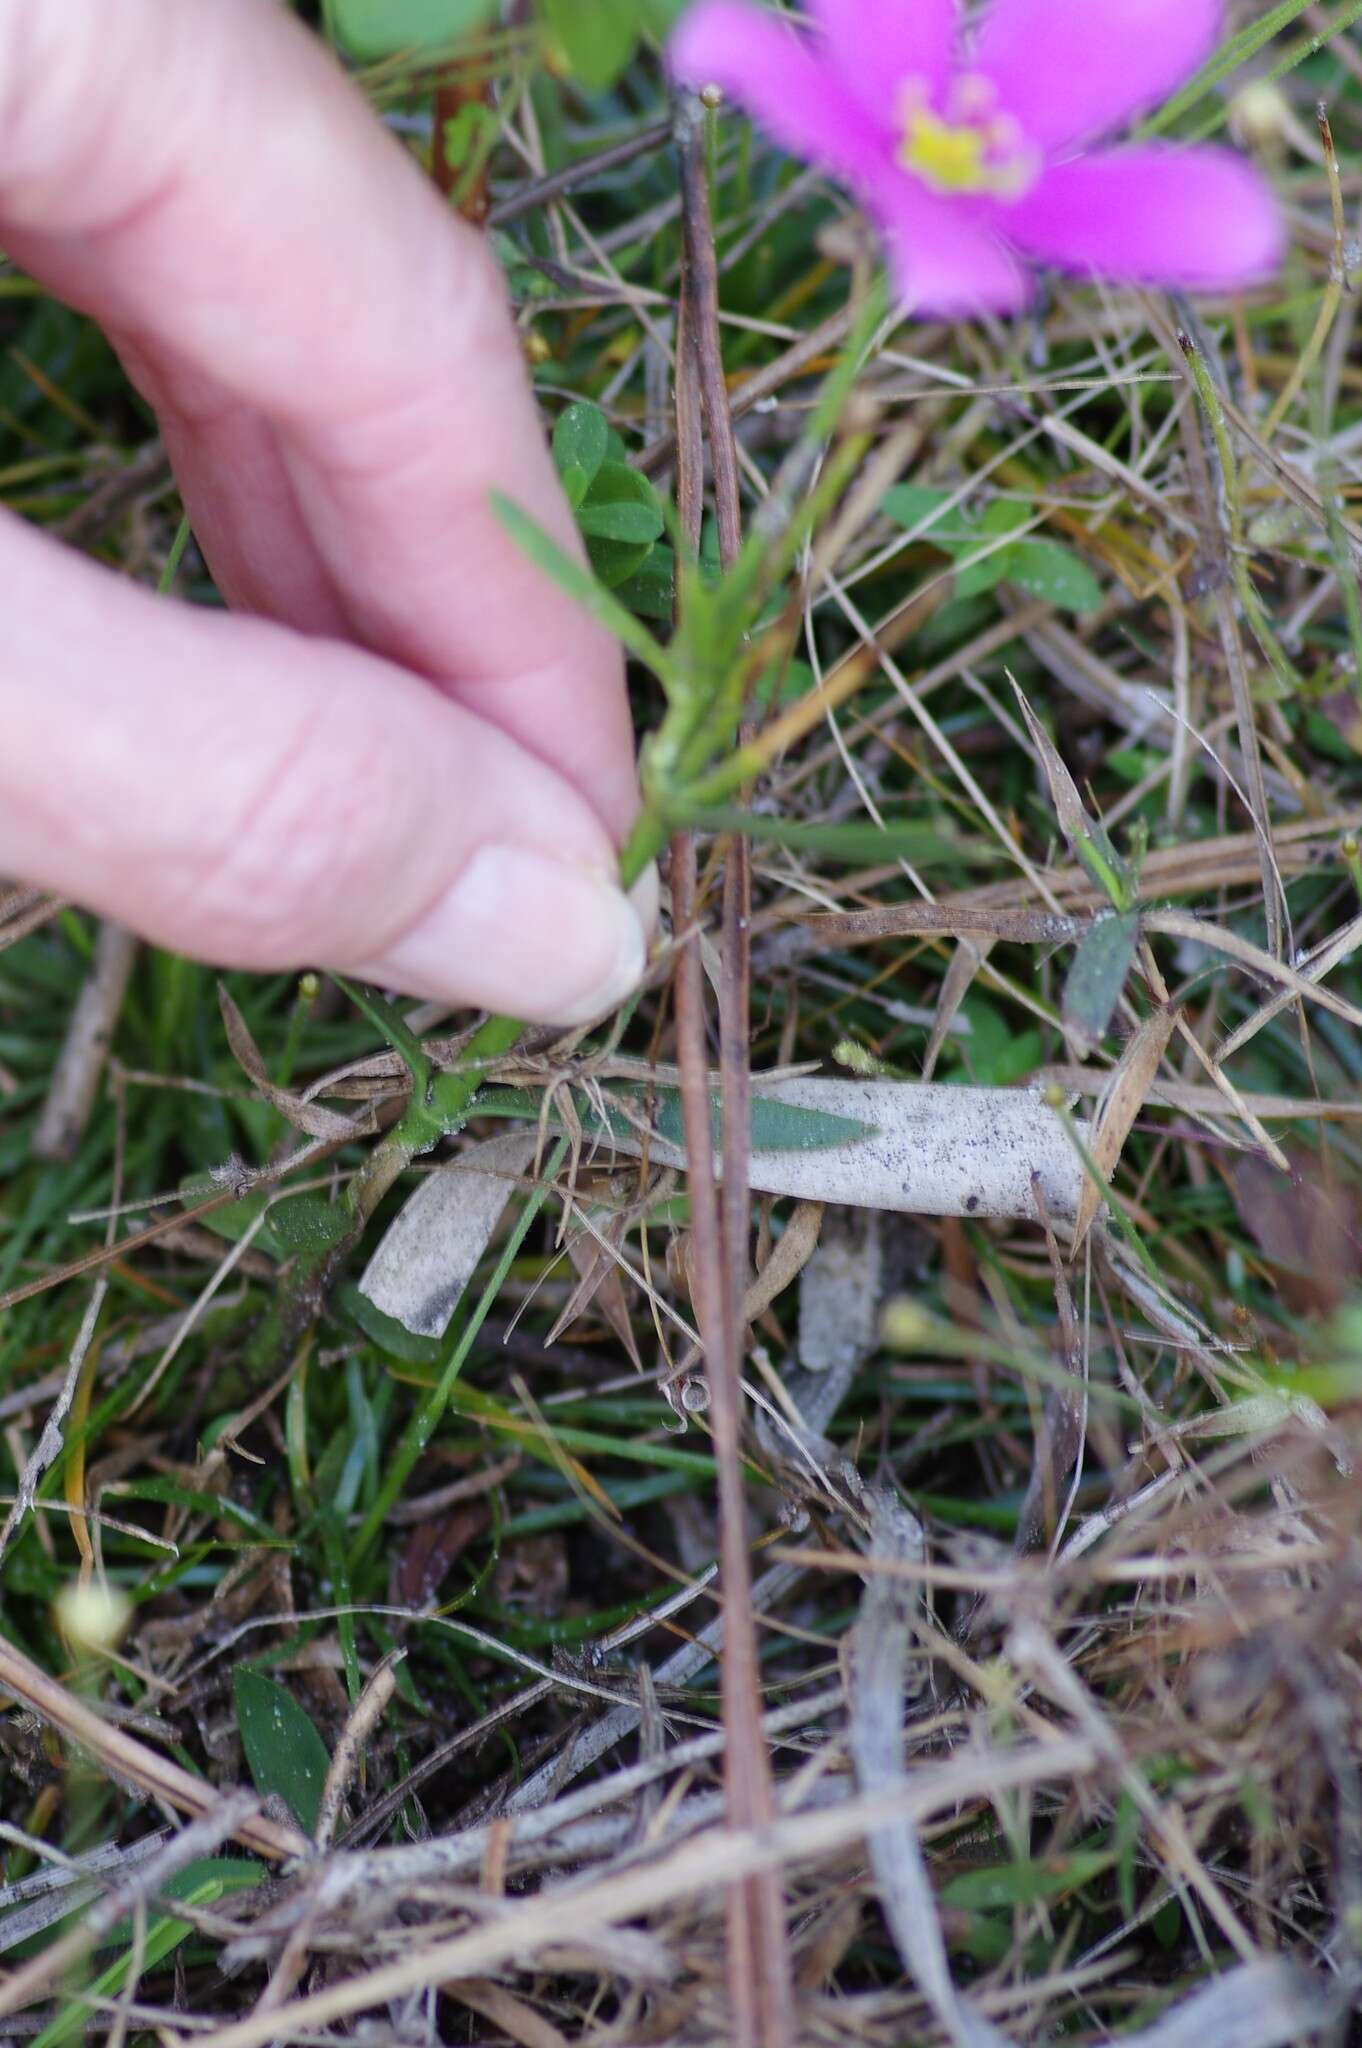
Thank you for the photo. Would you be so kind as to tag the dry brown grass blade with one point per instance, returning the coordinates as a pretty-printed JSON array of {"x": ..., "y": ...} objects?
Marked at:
[
  {"x": 1204, "y": 1101},
  {"x": 881, "y": 1644},
  {"x": 1123, "y": 1097},
  {"x": 717, "y": 1856},
  {"x": 232, "y": 1813},
  {"x": 131, "y": 1762},
  {"x": 1177, "y": 924},
  {"x": 1062, "y": 1428},
  {"x": 25, "y": 911},
  {"x": 1338, "y": 948},
  {"x": 509, "y": 2014},
  {"x": 365, "y": 1716},
  {"x": 85, "y": 1049},
  {"x": 969, "y": 957}
]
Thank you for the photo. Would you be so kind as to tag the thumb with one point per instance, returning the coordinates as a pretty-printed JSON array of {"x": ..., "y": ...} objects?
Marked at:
[{"x": 264, "y": 800}]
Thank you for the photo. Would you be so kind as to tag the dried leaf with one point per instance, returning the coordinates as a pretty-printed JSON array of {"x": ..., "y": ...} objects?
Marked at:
[
  {"x": 1305, "y": 1223},
  {"x": 599, "y": 1281},
  {"x": 310, "y": 1117},
  {"x": 431, "y": 1551},
  {"x": 934, "y": 1150},
  {"x": 1130, "y": 1082},
  {"x": 427, "y": 1256},
  {"x": 790, "y": 1255},
  {"x": 968, "y": 957},
  {"x": 1087, "y": 839}
]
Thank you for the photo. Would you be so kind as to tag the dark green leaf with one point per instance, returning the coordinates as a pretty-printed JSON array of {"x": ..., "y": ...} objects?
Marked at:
[
  {"x": 920, "y": 512},
  {"x": 369, "y": 29},
  {"x": 307, "y": 1223},
  {"x": 619, "y": 519},
  {"x": 650, "y": 590},
  {"x": 1023, "y": 1884},
  {"x": 581, "y": 441},
  {"x": 776, "y": 1126},
  {"x": 285, "y": 1753},
  {"x": 1097, "y": 976},
  {"x": 1053, "y": 573},
  {"x": 597, "y": 36}
]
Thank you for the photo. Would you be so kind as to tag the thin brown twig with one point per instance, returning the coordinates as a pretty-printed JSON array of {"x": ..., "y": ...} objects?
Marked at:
[{"x": 759, "y": 1979}]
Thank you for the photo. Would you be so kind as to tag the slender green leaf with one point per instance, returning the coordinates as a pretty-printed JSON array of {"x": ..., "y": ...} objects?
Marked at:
[
  {"x": 579, "y": 584},
  {"x": 1234, "y": 51},
  {"x": 385, "y": 1018},
  {"x": 776, "y": 1126},
  {"x": 199, "y": 1884},
  {"x": 907, "y": 840}
]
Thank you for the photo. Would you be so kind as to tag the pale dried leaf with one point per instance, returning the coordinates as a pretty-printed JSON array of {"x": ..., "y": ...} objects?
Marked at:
[
  {"x": 790, "y": 1255},
  {"x": 841, "y": 1292},
  {"x": 1262, "y": 2005},
  {"x": 881, "y": 1644},
  {"x": 1178, "y": 924},
  {"x": 933, "y": 1150},
  {"x": 428, "y": 1255}
]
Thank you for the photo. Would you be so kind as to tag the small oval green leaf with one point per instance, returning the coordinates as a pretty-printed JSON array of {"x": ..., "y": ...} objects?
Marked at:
[
  {"x": 285, "y": 1753},
  {"x": 581, "y": 440}
]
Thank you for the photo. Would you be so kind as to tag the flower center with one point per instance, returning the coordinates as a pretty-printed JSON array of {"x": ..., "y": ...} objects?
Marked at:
[{"x": 971, "y": 149}]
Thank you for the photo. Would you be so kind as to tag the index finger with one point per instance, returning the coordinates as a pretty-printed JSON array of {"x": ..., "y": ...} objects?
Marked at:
[{"x": 206, "y": 182}]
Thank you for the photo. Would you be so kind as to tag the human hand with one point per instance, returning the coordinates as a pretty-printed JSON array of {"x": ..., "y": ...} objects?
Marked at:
[{"x": 415, "y": 762}]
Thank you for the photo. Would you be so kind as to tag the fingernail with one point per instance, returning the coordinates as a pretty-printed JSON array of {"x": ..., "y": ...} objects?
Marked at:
[{"x": 524, "y": 933}]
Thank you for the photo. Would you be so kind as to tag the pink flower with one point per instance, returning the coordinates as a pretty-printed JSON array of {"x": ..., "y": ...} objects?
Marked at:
[{"x": 971, "y": 154}]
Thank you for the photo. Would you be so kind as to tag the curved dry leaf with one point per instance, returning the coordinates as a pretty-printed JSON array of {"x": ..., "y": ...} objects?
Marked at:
[
  {"x": 1120, "y": 1103},
  {"x": 309, "y": 1117}
]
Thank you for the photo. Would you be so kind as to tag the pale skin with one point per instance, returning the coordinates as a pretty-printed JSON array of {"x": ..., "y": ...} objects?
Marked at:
[{"x": 412, "y": 761}]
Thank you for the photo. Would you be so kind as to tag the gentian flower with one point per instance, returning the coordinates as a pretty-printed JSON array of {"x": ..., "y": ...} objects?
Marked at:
[{"x": 973, "y": 153}]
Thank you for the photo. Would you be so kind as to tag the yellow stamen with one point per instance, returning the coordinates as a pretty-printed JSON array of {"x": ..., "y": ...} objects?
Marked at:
[
  {"x": 958, "y": 157},
  {"x": 946, "y": 158}
]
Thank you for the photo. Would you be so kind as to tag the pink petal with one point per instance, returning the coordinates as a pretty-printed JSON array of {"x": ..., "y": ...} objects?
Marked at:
[
  {"x": 784, "y": 84},
  {"x": 876, "y": 44},
  {"x": 1070, "y": 70},
  {"x": 1156, "y": 214},
  {"x": 947, "y": 260}
]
